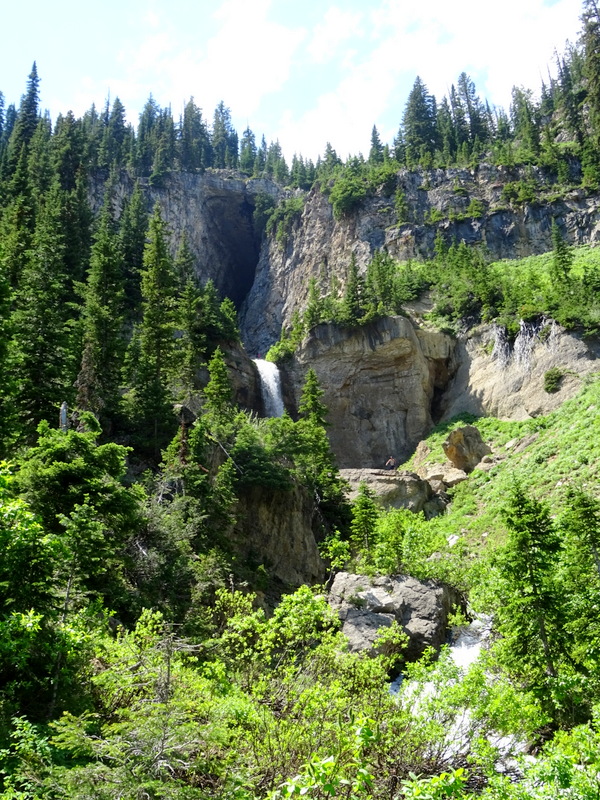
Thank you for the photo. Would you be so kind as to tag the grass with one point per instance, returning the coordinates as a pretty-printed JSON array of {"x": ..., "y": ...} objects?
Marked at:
[{"x": 565, "y": 453}]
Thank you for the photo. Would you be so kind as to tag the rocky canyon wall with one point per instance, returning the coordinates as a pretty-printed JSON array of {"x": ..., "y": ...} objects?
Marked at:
[{"x": 321, "y": 247}]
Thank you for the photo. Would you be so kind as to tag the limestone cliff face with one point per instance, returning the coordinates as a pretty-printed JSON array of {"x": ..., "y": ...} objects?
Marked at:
[
  {"x": 379, "y": 381},
  {"x": 497, "y": 378},
  {"x": 215, "y": 210},
  {"x": 321, "y": 247}
]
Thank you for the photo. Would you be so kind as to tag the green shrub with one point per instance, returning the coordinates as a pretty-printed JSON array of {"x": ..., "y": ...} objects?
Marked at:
[
  {"x": 282, "y": 218},
  {"x": 346, "y": 194},
  {"x": 552, "y": 380}
]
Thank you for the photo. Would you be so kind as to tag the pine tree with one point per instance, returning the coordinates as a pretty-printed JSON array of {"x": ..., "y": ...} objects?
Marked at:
[
  {"x": 247, "y": 152},
  {"x": 314, "y": 306},
  {"x": 353, "y": 302},
  {"x": 43, "y": 350},
  {"x": 224, "y": 139},
  {"x": 150, "y": 401},
  {"x": 562, "y": 258},
  {"x": 376, "y": 150},
  {"x": 132, "y": 236},
  {"x": 591, "y": 67},
  {"x": 419, "y": 124},
  {"x": 194, "y": 141},
  {"x": 473, "y": 107},
  {"x": 364, "y": 518},
  {"x": 311, "y": 407},
  {"x": 26, "y": 120},
  {"x": 218, "y": 394},
  {"x": 530, "y": 618},
  {"x": 98, "y": 382}
]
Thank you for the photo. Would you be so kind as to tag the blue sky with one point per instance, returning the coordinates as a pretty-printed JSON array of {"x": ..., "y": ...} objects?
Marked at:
[{"x": 302, "y": 72}]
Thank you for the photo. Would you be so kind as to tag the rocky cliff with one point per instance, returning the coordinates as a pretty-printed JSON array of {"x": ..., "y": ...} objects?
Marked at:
[
  {"x": 461, "y": 204},
  {"x": 215, "y": 210},
  {"x": 380, "y": 384},
  {"x": 388, "y": 382}
]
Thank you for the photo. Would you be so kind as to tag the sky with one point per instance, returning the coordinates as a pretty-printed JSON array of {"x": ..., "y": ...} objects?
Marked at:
[{"x": 304, "y": 73}]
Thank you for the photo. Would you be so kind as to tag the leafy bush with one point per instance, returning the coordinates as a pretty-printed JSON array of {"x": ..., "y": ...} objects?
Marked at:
[
  {"x": 346, "y": 195},
  {"x": 280, "y": 221},
  {"x": 519, "y": 192},
  {"x": 552, "y": 379}
]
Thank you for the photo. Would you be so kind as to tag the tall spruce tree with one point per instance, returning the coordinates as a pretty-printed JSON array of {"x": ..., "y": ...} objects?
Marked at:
[
  {"x": 98, "y": 383},
  {"x": 152, "y": 347},
  {"x": 376, "y": 150},
  {"x": 43, "y": 347},
  {"x": 132, "y": 236},
  {"x": 26, "y": 120},
  {"x": 419, "y": 124}
]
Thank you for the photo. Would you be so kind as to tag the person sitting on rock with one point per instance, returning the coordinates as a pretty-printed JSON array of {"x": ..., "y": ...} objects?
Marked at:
[{"x": 390, "y": 463}]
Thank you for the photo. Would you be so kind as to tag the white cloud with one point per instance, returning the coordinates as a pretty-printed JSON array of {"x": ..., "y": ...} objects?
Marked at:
[
  {"x": 336, "y": 28},
  {"x": 501, "y": 46}
]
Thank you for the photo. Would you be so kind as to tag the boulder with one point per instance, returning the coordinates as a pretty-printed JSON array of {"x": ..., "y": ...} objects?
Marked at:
[
  {"x": 465, "y": 448},
  {"x": 444, "y": 473},
  {"x": 365, "y": 605},
  {"x": 395, "y": 489}
]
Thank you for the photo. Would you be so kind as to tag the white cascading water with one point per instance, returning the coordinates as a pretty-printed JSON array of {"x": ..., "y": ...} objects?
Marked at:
[{"x": 270, "y": 387}]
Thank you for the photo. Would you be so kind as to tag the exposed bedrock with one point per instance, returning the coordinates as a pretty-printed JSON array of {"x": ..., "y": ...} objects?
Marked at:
[
  {"x": 215, "y": 210},
  {"x": 321, "y": 247},
  {"x": 379, "y": 381},
  {"x": 366, "y": 605}
]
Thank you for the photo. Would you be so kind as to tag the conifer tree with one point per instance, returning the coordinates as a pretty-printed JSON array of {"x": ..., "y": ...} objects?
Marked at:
[
  {"x": 218, "y": 394},
  {"x": 248, "y": 151},
  {"x": 591, "y": 47},
  {"x": 150, "y": 401},
  {"x": 132, "y": 236},
  {"x": 311, "y": 407},
  {"x": 194, "y": 142},
  {"x": 364, "y": 517},
  {"x": 353, "y": 303},
  {"x": 26, "y": 120},
  {"x": 376, "y": 151},
  {"x": 42, "y": 347},
  {"x": 562, "y": 257},
  {"x": 531, "y": 615},
  {"x": 419, "y": 124},
  {"x": 190, "y": 344},
  {"x": 98, "y": 382}
]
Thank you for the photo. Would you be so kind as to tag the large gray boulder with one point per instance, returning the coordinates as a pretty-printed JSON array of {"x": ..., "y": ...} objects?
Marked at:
[
  {"x": 365, "y": 605},
  {"x": 396, "y": 489}
]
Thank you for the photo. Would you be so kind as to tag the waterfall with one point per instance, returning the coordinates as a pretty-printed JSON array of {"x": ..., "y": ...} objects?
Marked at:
[{"x": 270, "y": 387}]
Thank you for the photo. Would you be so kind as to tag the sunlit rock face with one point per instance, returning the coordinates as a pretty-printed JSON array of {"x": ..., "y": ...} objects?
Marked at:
[
  {"x": 215, "y": 211},
  {"x": 321, "y": 247},
  {"x": 366, "y": 605},
  {"x": 380, "y": 382}
]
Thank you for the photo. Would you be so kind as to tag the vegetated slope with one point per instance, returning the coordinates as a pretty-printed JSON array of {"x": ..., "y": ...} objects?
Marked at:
[{"x": 548, "y": 456}]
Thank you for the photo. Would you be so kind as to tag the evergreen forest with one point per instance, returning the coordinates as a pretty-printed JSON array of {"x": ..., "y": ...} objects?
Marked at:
[{"x": 143, "y": 655}]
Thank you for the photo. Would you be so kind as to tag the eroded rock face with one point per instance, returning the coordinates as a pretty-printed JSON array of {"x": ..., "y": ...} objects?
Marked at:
[
  {"x": 379, "y": 382},
  {"x": 321, "y": 247},
  {"x": 365, "y": 605},
  {"x": 496, "y": 378},
  {"x": 275, "y": 529},
  {"x": 396, "y": 489},
  {"x": 214, "y": 209}
]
